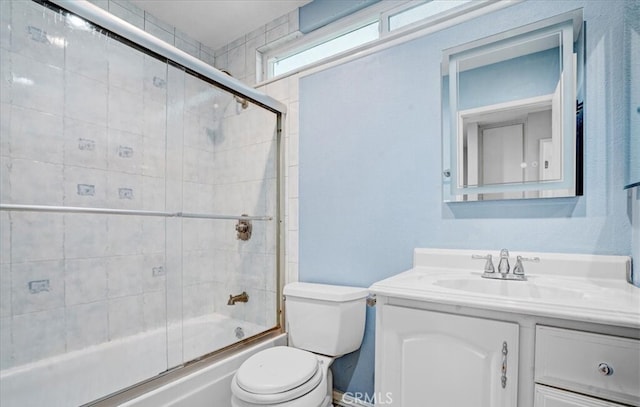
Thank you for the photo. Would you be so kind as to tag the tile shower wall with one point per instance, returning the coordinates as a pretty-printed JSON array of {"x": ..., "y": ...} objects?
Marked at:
[{"x": 85, "y": 123}]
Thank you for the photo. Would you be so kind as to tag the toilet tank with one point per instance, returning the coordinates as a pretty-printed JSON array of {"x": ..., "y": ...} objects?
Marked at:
[{"x": 325, "y": 319}]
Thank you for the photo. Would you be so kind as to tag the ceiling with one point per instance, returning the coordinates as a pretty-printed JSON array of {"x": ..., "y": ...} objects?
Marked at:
[{"x": 216, "y": 23}]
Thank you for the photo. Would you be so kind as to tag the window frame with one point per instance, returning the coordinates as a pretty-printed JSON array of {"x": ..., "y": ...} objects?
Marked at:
[{"x": 381, "y": 12}]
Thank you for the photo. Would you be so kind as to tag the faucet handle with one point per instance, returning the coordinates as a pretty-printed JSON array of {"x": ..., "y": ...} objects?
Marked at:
[
  {"x": 488, "y": 266},
  {"x": 519, "y": 268}
]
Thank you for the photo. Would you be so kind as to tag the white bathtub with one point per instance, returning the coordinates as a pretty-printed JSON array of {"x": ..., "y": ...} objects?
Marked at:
[{"x": 78, "y": 377}]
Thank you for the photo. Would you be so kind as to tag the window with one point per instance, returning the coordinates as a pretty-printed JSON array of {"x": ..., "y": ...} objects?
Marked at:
[
  {"x": 422, "y": 12},
  {"x": 361, "y": 28},
  {"x": 326, "y": 49}
]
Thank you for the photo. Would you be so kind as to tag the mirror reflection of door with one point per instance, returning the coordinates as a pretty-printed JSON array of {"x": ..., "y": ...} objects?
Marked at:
[{"x": 502, "y": 157}]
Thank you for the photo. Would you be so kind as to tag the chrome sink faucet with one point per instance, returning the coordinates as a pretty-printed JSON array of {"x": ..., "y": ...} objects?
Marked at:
[{"x": 504, "y": 267}]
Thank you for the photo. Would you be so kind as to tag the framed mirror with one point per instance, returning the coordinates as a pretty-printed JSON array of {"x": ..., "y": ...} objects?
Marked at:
[{"x": 511, "y": 114}]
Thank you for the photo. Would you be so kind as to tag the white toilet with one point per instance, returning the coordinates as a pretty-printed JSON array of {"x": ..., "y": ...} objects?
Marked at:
[{"x": 324, "y": 319}]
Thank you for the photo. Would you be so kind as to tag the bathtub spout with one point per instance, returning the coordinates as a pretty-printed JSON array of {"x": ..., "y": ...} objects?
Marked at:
[{"x": 244, "y": 297}]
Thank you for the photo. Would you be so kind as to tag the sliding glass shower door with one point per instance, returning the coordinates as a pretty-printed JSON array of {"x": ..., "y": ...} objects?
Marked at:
[{"x": 129, "y": 183}]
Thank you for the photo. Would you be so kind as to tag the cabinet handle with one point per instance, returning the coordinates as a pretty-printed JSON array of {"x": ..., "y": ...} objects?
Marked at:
[
  {"x": 605, "y": 369},
  {"x": 505, "y": 351}
]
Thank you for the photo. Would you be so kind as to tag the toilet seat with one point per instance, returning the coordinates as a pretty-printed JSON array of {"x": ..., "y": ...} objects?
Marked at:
[{"x": 277, "y": 375}]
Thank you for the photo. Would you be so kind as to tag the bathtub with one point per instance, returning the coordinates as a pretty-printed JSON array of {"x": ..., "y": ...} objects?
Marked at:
[{"x": 78, "y": 377}]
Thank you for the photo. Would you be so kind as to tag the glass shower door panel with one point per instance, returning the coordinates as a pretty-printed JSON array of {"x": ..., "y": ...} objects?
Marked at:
[
  {"x": 229, "y": 168},
  {"x": 83, "y": 295}
]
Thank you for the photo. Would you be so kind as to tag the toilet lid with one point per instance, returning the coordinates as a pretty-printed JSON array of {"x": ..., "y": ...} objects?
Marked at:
[{"x": 276, "y": 370}]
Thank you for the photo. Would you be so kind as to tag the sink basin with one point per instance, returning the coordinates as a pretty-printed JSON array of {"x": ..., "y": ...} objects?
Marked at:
[{"x": 519, "y": 289}]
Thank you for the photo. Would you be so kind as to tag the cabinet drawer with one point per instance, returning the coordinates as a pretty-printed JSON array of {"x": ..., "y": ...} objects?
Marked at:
[
  {"x": 550, "y": 397},
  {"x": 578, "y": 361}
]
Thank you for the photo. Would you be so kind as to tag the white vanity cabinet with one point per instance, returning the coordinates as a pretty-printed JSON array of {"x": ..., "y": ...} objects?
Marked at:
[{"x": 427, "y": 358}]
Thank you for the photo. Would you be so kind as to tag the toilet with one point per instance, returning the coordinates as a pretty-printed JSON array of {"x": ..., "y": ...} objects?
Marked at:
[{"x": 323, "y": 322}]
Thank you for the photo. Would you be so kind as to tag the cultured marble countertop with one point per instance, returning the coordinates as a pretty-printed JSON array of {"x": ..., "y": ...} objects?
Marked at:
[{"x": 575, "y": 287}]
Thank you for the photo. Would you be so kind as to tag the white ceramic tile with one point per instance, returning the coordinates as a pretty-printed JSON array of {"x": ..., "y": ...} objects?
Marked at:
[
  {"x": 5, "y": 178},
  {"x": 85, "y": 236},
  {"x": 85, "y": 281},
  {"x": 5, "y": 24},
  {"x": 36, "y": 183},
  {"x": 154, "y": 272},
  {"x": 6, "y": 347},
  {"x": 154, "y": 310},
  {"x": 126, "y": 67},
  {"x": 153, "y": 232},
  {"x": 36, "y": 136},
  {"x": 126, "y": 14},
  {"x": 37, "y": 286},
  {"x": 124, "y": 191},
  {"x": 279, "y": 90},
  {"x": 292, "y": 246},
  {"x": 125, "y": 151},
  {"x": 150, "y": 18},
  {"x": 39, "y": 335},
  {"x": 38, "y": 33},
  {"x": 5, "y": 128},
  {"x": 86, "y": 325},
  {"x": 36, "y": 236},
  {"x": 5, "y": 290},
  {"x": 292, "y": 272},
  {"x": 196, "y": 266},
  {"x": 294, "y": 21},
  {"x": 292, "y": 118},
  {"x": 155, "y": 80},
  {"x": 124, "y": 235},
  {"x": 85, "y": 187},
  {"x": 85, "y": 144},
  {"x": 36, "y": 85},
  {"x": 222, "y": 61},
  {"x": 153, "y": 157},
  {"x": 125, "y": 316},
  {"x": 293, "y": 149},
  {"x": 187, "y": 46},
  {"x": 124, "y": 275},
  {"x": 86, "y": 54},
  {"x": 125, "y": 110},
  {"x": 155, "y": 120},
  {"x": 153, "y": 193},
  {"x": 277, "y": 33},
  {"x": 293, "y": 214},
  {"x": 292, "y": 182},
  {"x": 79, "y": 106},
  {"x": 5, "y": 237},
  {"x": 159, "y": 32},
  {"x": 198, "y": 299},
  {"x": 237, "y": 61},
  {"x": 294, "y": 88},
  {"x": 5, "y": 76}
]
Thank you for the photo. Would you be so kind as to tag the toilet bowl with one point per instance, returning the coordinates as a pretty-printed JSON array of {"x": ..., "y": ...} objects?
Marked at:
[
  {"x": 323, "y": 322},
  {"x": 285, "y": 377}
]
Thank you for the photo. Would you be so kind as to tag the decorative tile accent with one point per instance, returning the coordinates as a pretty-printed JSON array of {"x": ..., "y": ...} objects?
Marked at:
[
  {"x": 125, "y": 152},
  {"x": 86, "y": 190},
  {"x": 125, "y": 193},
  {"x": 38, "y": 286},
  {"x": 86, "y": 144}
]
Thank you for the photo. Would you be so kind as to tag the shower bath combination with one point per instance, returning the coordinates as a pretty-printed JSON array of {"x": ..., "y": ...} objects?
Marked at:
[{"x": 122, "y": 177}]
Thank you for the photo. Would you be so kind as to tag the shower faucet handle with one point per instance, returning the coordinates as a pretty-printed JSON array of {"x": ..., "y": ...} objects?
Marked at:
[{"x": 488, "y": 266}]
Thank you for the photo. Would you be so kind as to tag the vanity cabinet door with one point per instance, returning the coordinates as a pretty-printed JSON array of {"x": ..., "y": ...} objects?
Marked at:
[{"x": 434, "y": 359}]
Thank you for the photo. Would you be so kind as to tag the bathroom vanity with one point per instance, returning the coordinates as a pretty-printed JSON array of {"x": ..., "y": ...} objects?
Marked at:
[{"x": 566, "y": 336}]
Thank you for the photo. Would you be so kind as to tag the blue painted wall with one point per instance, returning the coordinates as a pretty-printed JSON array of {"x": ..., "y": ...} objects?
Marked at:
[{"x": 370, "y": 166}]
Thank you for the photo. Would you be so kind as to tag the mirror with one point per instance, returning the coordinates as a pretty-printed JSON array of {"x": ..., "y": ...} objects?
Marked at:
[
  {"x": 632, "y": 67},
  {"x": 509, "y": 114}
]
